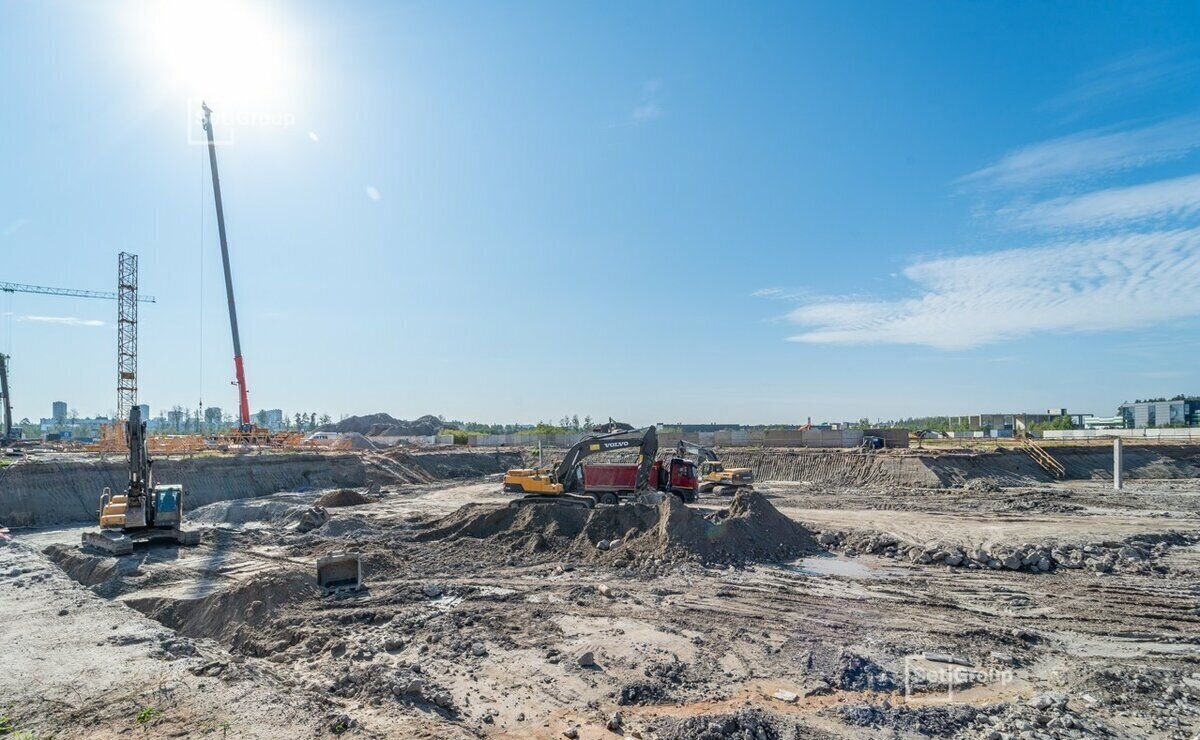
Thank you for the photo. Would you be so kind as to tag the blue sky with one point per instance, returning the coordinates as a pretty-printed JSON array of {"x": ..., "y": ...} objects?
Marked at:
[{"x": 658, "y": 212}]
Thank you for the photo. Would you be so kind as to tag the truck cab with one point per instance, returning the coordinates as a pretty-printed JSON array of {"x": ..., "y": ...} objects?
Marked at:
[{"x": 677, "y": 476}]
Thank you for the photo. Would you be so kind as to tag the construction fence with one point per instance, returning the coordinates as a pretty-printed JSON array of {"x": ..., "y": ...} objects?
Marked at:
[
  {"x": 1186, "y": 433},
  {"x": 432, "y": 440}
]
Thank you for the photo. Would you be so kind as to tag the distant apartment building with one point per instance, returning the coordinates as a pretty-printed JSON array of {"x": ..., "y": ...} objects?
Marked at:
[
  {"x": 59, "y": 411},
  {"x": 1154, "y": 413},
  {"x": 274, "y": 418},
  {"x": 81, "y": 428},
  {"x": 1014, "y": 422},
  {"x": 144, "y": 408}
]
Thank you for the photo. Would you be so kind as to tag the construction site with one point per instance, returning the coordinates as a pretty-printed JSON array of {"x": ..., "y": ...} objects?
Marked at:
[
  {"x": 621, "y": 582},
  {"x": 383, "y": 578},
  {"x": 941, "y": 592}
]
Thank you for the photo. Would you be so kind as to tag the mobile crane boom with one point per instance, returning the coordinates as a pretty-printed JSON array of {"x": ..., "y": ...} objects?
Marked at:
[{"x": 238, "y": 364}]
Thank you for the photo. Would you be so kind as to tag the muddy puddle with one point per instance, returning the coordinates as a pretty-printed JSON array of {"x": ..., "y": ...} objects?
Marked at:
[{"x": 834, "y": 565}]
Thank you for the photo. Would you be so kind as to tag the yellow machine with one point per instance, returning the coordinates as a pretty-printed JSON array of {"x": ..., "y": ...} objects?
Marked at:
[
  {"x": 144, "y": 512},
  {"x": 532, "y": 480},
  {"x": 713, "y": 473},
  {"x": 559, "y": 482}
]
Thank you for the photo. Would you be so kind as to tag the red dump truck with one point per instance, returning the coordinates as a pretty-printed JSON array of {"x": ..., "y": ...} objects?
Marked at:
[{"x": 608, "y": 483}]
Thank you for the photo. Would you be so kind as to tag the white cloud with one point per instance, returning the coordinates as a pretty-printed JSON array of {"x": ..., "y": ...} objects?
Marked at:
[
  {"x": 373, "y": 192},
  {"x": 1132, "y": 74},
  {"x": 64, "y": 320},
  {"x": 1174, "y": 199},
  {"x": 313, "y": 135},
  {"x": 646, "y": 112},
  {"x": 1093, "y": 152},
  {"x": 1117, "y": 282},
  {"x": 15, "y": 225},
  {"x": 766, "y": 292}
]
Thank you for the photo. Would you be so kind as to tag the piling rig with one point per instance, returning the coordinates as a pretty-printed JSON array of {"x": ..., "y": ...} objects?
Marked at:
[{"x": 144, "y": 512}]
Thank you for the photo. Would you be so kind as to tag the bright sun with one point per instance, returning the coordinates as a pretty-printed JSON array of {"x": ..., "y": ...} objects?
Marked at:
[{"x": 231, "y": 53}]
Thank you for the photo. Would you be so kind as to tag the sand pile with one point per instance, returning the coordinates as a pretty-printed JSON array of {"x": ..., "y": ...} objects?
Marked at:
[
  {"x": 751, "y": 529},
  {"x": 342, "y": 497},
  {"x": 85, "y": 568},
  {"x": 247, "y": 511}
]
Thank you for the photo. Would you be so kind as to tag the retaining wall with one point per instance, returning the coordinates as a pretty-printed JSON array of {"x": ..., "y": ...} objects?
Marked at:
[
  {"x": 52, "y": 493},
  {"x": 1003, "y": 467}
]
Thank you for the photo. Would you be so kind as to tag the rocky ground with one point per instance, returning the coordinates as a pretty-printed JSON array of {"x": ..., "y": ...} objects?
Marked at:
[{"x": 1060, "y": 611}]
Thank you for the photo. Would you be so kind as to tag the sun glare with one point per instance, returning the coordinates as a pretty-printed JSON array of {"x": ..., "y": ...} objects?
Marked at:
[{"x": 230, "y": 52}]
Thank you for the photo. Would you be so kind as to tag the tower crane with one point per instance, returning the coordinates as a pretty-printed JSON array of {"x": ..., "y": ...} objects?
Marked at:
[{"x": 7, "y": 287}]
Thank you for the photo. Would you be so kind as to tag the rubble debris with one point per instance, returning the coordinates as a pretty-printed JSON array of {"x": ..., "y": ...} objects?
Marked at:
[
  {"x": 1137, "y": 554},
  {"x": 926, "y": 721},
  {"x": 751, "y": 722},
  {"x": 642, "y": 692},
  {"x": 856, "y": 672}
]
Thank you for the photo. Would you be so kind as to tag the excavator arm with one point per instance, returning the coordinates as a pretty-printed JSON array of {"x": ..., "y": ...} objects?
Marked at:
[
  {"x": 702, "y": 454},
  {"x": 646, "y": 440}
]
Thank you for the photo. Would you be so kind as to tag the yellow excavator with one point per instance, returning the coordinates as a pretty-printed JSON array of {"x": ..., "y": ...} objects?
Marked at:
[
  {"x": 713, "y": 473},
  {"x": 144, "y": 512}
]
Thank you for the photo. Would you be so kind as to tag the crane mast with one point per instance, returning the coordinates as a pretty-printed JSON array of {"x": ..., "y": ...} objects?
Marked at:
[
  {"x": 8, "y": 427},
  {"x": 239, "y": 366}
]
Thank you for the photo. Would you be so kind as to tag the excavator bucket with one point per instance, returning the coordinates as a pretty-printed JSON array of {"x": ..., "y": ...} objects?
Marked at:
[{"x": 340, "y": 572}]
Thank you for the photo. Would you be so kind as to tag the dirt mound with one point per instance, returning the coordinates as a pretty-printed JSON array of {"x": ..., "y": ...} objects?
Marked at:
[
  {"x": 342, "y": 497},
  {"x": 385, "y": 425},
  {"x": 231, "y": 616},
  {"x": 246, "y": 511},
  {"x": 751, "y": 529},
  {"x": 86, "y": 569}
]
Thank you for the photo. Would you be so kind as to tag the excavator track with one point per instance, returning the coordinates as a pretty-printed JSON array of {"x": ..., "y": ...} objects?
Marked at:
[{"x": 560, "y": 499}]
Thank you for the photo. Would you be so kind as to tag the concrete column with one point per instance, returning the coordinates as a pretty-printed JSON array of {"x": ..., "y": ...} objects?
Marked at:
[
  {"x": 1117, "y": 464},
  {"x": 539, "y": 453}
]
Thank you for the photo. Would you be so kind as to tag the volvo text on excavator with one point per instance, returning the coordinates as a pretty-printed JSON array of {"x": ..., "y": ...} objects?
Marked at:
[
  {"x": 144, "y": 512},
  {"x": 570, "y": 481},
  {"x": 713, "y": 473}
]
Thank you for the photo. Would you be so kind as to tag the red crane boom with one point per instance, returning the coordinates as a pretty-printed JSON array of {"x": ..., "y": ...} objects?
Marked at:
[{"x": 238, "y": 364}]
